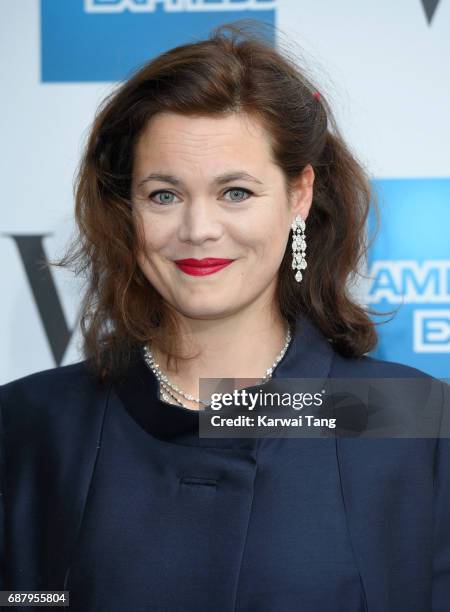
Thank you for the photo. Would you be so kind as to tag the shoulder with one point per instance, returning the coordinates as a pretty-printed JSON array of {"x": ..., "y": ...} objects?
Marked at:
[
  {"x": 49, "y": 384},
  {"x": 409, "y": 389},
  {"x": 371, "y": 368},
  {"x": 366, "y": 366},
  {"x": 50, "y": 392}
]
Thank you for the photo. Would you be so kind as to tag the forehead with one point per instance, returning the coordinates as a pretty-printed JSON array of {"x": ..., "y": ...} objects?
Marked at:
[{"x": 171, "y": 137}]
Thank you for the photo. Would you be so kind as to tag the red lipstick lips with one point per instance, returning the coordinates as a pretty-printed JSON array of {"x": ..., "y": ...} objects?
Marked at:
[{"x": 202, "y": 267}]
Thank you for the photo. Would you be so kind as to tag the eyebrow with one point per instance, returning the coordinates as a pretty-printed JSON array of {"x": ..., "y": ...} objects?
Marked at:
[{"x": 221, "y": 179}]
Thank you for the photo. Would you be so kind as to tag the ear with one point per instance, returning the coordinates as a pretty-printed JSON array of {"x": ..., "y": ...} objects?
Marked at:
[{"x": 302, "y": 193}]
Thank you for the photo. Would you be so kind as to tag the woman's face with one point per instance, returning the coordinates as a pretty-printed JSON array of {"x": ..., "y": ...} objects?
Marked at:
[{"x": 192, "y": 209}]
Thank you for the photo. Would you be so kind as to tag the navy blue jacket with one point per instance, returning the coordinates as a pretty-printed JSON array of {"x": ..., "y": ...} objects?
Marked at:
[{"x": 110, "y": 493}]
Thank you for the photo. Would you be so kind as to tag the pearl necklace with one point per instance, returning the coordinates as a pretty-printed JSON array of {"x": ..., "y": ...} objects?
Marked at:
[{"x": 169, "y": 389}]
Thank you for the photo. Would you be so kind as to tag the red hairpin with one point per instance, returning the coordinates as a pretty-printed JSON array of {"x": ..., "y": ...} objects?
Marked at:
[{"x": 316, "y": 95}]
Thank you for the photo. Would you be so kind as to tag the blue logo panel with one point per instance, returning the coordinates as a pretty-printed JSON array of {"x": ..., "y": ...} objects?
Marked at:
[
  {"x": 409, "y": 268},
  {"x": 105, "y": 40}
]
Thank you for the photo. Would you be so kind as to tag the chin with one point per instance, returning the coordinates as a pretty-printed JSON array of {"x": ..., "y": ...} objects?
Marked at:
[
  {"x": 201, "y": 309},
  {"x": 203, "y": 312}
]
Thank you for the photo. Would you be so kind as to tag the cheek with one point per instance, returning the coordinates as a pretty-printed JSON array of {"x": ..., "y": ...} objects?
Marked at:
[
  {"x": 156, "y": 238},
  {"x": 148, "y": 252},
  {"x": 270, "y": 238}
]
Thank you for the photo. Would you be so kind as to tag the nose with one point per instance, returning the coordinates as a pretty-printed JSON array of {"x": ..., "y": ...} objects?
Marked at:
[{"x": 199, "y": 221}]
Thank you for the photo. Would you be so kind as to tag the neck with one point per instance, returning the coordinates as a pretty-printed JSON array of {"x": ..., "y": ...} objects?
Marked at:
[{"x": 242, "y": 345}]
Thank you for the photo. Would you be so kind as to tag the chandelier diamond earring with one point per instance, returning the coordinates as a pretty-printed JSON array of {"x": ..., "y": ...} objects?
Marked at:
[{"x": 298, "y": 247}]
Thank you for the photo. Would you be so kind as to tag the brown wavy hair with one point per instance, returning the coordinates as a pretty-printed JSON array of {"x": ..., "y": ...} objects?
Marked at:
[{"x": 234, "y": 70}]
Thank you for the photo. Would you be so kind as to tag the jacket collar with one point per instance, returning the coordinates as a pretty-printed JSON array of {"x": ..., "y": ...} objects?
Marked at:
[{"x": 309, "y": 355}]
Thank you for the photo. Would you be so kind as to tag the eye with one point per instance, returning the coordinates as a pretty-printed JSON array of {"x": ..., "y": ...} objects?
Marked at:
[
  {"x": 167, "y": 195},
  {"x": 163, "y": 192},
  {"x": 234, "y": 190}
]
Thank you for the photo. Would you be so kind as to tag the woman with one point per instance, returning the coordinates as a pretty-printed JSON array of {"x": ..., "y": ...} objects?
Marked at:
[{"x": 197, "y": 173}]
